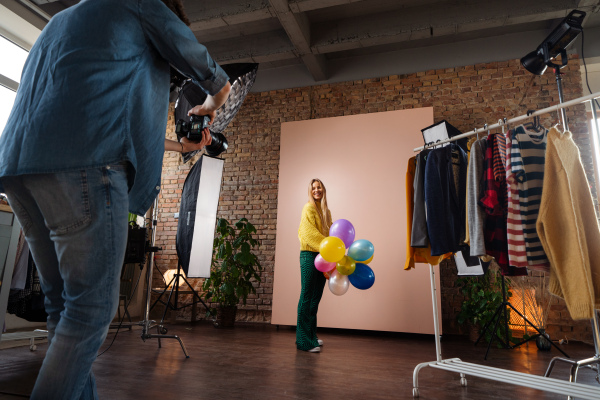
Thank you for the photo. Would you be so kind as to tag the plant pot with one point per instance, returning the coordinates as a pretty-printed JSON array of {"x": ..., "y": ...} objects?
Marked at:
[
  {"x": 225, "y": 317},
  {"x": 543, "y": 341},
  {"x": 474, "y": 332}
]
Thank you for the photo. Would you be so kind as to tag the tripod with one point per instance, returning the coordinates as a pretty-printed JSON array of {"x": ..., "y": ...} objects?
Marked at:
[
  {"x": 147, "y": 324},
  {"x": 174, "y": 285},
  {"x": 502, "y": 308}
]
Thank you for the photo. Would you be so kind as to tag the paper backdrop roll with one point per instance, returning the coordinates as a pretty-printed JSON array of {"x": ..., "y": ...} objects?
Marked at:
[
  {"x": 343, "y": 229},
  {"x": 332, "y": 249}
]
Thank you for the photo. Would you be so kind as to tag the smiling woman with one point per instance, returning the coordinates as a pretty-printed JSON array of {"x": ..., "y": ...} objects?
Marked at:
[{"x": 314, "y": 227}]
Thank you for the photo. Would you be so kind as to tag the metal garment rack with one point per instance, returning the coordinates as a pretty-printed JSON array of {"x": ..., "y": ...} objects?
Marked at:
[{"x": 568, "y": 388}]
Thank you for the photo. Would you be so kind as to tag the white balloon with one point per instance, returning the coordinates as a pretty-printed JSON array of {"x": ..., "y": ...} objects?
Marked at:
[{"x": 338, "y": 283}]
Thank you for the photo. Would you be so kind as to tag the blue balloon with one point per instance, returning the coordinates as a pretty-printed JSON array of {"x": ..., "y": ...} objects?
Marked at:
[
  {"x": 361, "y": 250},
  {"x": 363, "y": 277}
]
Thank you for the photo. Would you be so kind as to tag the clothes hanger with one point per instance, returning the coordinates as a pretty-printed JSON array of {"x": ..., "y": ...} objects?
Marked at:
[{"x": 535, "y": 125}]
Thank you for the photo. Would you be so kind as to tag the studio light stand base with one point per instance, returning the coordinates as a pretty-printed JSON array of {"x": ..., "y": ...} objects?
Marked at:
[
  {"x": 147, "y": 324},
  {"x": 502, "y": 309},
  {"x": 173, "y": 288}
]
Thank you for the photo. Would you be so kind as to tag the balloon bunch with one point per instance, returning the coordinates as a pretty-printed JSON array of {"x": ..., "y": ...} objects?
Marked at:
[{"x": 341, "y": 269}]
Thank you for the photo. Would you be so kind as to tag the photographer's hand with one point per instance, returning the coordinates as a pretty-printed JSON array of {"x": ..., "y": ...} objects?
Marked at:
[
  {"x": 202, "y": 110},
  {"x": 186, "y": 146},
  {"x": 212, "y": 103}
]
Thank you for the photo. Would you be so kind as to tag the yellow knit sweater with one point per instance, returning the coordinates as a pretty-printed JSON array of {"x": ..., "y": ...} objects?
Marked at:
[
  {"x": 568, "y": 228},
  {"x": 309, "y": 231}
]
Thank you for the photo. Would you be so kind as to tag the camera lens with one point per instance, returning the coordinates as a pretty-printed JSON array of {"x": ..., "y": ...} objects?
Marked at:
[{"x": 218, "y": 145}]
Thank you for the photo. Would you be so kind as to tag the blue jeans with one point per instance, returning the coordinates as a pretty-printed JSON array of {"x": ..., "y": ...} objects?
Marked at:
[{"x": 76, "y": 226}]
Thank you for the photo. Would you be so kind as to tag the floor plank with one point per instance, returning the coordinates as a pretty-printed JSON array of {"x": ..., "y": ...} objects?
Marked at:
[{"x": 254, "y": 361}]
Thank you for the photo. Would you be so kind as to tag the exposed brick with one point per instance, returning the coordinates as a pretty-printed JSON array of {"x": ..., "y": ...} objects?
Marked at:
[{"x": 466, "y": 96}]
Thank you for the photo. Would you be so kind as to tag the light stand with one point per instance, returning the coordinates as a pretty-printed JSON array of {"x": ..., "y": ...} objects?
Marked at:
[
  {"x": 174, "y": 285},
  {"x": 147, "y": 324},
  {"x": 498, "y": 315},
  {"x": 536, "y": 62},
  {"x": 557, "y": 73}
]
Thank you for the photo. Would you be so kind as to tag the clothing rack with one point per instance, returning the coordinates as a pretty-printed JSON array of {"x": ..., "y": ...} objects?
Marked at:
[
  {"x": 501, "y": 123},
  {"x": 569, "y": 388}
]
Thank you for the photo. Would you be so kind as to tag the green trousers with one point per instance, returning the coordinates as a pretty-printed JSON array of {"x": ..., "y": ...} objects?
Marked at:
[{"x": 313, "y": 283}]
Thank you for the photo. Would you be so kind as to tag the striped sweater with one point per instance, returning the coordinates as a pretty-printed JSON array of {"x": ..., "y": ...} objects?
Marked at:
[
  {"x": 527, "y": 158},
  {"x": 517, "y": 255}
]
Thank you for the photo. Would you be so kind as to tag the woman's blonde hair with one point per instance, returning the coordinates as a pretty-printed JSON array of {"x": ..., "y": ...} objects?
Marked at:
[{"x": 322, "y": 208}]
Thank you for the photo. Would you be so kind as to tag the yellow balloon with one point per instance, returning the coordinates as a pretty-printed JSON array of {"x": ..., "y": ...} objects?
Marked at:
[
  {"x": 346, "y": 266},
  {"x": 369, "y": 260},
  {"x": 332, "y": 249}
]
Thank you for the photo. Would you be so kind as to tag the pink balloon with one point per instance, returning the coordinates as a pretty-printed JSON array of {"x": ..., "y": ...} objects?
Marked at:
[{"x": 322, "y": 265}]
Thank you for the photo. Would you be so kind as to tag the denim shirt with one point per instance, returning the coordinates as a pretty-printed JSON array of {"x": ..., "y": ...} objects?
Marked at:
[{"x": 95, "y": 91}]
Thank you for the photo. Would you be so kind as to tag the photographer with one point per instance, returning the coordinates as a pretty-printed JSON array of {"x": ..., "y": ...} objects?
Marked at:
[{"x": 84, "y": 145}]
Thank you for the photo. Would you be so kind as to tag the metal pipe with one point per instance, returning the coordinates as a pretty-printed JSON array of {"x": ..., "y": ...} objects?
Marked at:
[
  {"x": 436, "y": 323},
  {"x": 146, "y": 324},
  {"x": 38, "y": 11},
  {"x": 563, "y": 112},
  {"x": 516, "y": 119},
  {"x": 596, "y": 333}
]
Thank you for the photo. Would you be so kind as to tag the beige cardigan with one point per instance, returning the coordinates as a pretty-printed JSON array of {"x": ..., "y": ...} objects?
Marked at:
[{"x": 568, "y": 228}]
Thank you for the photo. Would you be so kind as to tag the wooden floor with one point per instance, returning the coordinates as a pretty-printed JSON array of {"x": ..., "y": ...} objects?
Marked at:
[{"x": 261, "y": 362}]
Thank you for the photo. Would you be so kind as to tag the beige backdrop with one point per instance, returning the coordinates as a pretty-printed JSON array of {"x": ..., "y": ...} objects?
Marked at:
[{"x": 362, "y": 161}]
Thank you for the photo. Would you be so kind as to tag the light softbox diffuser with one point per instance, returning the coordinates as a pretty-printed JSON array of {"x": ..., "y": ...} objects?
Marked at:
[
  {"x": 198, "y": 215},
  {"x": 241, "y": 78}
]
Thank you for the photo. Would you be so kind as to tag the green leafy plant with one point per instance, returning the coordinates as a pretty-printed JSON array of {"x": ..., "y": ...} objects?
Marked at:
[
  {"x": 234, "y": 265},
  {"x": 483, "y": 296}
]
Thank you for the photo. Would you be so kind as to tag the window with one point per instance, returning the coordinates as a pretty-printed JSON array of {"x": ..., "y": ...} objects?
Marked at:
[
  {"x": 7, "y": 98},
  {"x": 11, "y": 64}
]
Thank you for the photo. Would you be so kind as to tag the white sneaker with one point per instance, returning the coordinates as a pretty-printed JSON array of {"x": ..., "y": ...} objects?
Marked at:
[
  {"x": 320, "y": 342},
  {"x": 315, "y": 350}
]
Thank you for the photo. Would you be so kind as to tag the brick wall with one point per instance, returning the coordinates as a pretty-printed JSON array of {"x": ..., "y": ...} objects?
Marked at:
[{"x": 465, "y": 96}]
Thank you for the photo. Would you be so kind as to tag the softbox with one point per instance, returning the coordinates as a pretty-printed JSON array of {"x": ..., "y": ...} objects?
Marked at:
[
  {"x": 241, "y": 77},
  {"x": 198, "y": 215},
  {"x": 441, "y": 131}
]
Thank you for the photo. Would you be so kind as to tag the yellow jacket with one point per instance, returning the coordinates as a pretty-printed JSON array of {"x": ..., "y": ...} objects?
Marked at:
[
  {"x": 310, "y": 228},
  {"x": 568, "y": 228}
]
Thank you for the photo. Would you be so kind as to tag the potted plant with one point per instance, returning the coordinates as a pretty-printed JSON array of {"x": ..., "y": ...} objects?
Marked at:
[
  {"x": 483, "y": 296},
  {"x": 234, "y": 269}
]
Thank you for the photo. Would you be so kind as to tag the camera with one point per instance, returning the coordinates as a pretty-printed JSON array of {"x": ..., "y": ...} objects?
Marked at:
[{"x": 192, "y": 130}]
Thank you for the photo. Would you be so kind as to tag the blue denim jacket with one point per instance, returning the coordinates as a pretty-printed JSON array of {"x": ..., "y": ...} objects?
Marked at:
[{"x": 95, "y": 91}]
